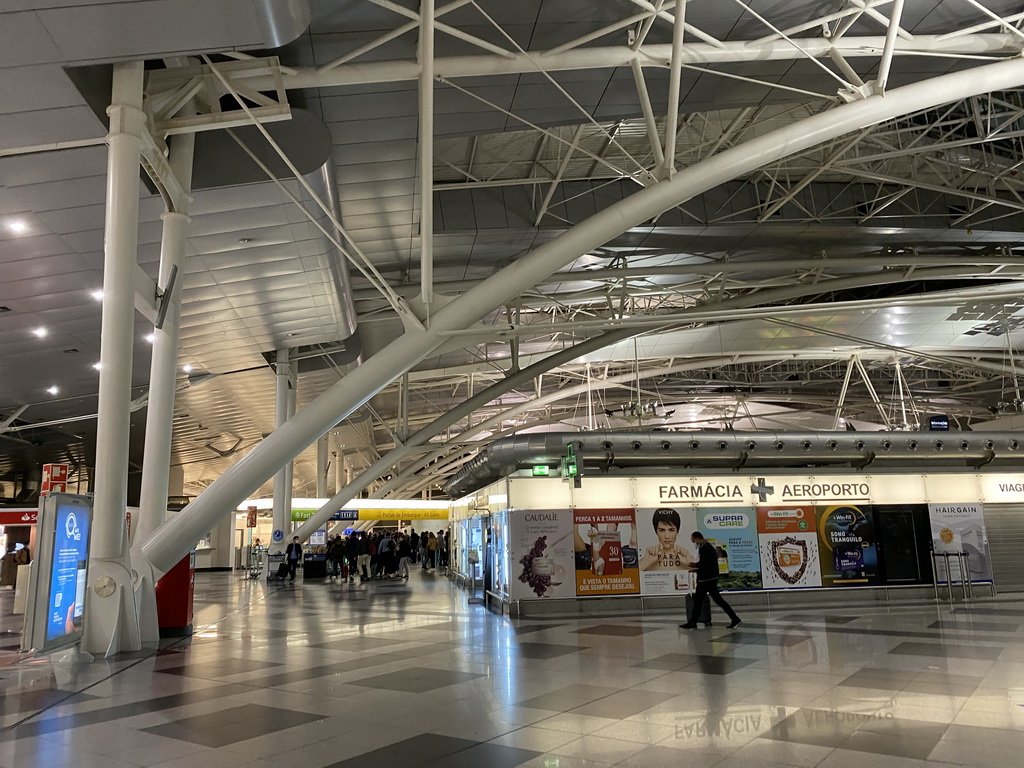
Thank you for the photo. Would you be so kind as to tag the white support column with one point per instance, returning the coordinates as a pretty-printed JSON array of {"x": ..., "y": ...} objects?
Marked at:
[
  {"x": 322, "y": 459},
  {"x": 111, "y": 622},
  {"x": 284, "y": 408},
  {"x": 842, "y": 395},
  {"x": 163, "y": 370},
  {"x": 648, "y": 111},
  {"x": 895, "y": 16},
  {"x": 377, "y": 372},
  {"x": 164, "y": 365},
  {"x": 426, "y": 93},
  {"x": 675, "y": 76}
]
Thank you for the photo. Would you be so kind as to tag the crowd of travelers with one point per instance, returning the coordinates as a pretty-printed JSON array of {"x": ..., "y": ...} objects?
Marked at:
[{"x": 385, "y": 554}]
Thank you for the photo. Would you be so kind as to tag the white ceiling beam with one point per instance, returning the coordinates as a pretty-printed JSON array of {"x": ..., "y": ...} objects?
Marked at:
[{"x": 401, "y": 70}]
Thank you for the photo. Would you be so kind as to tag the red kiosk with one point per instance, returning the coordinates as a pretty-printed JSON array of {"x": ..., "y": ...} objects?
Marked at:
[{"x": 174, "y": 594}]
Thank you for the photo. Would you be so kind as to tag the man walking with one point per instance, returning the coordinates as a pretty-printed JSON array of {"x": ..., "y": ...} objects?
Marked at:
[
  {"x": 707, "y": 582},
  {"x": 292, "y": 555}
]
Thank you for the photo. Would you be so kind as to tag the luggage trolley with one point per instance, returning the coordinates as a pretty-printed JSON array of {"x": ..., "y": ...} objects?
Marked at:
[
  {"x": 255, "y": 563},
  {"x": 277, "y": 568}
]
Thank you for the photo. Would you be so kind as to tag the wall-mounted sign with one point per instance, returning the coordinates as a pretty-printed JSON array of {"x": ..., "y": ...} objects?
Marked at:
[
  {"x": 55, "y": 479},
  {"x": 302, "y": 515},
  {"x": 18, "y": 516}
]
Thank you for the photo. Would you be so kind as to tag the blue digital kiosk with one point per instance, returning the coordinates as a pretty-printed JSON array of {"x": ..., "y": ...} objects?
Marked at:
[{"x": 58, "y": 587}]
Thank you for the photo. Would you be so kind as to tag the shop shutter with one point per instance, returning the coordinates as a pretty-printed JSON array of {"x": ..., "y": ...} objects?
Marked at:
[{"x": 1005, "y": 527}]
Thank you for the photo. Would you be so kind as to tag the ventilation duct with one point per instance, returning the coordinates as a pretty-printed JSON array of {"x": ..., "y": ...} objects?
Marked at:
[
  {"x": 608, "y": 452},
  {"x": 324, "y": 184}
]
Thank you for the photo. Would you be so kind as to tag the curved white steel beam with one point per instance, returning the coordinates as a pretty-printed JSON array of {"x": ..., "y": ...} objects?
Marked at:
[
  {"x": 450, "y": 418},
  {"x": 173, "y": 539},
  {"x": 399, "y": 70}
]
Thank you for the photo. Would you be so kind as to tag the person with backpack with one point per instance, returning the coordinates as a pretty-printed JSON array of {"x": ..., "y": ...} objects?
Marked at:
[
  {"x": 386, "y": 555},
  {"x": 432, "y": 545}
]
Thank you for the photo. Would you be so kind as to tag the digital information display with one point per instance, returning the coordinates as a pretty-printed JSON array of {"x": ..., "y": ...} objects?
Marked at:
[
  {"x": 68, "y": 571},
  {"x": 58, "y": 585}
]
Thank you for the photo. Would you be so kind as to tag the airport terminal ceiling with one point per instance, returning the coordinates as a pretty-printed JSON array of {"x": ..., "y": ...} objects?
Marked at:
[{"x": 888, "y": 256}]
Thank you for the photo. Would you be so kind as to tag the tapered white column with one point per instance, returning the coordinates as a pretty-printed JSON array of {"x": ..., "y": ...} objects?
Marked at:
[
  {"x": 111, "y": 618},
  {"x": 284, "y": 405},
  {"x": 425, "y": 54},
  {"x": 164, "y": 365},
  {"x": 322, "y": 458}
]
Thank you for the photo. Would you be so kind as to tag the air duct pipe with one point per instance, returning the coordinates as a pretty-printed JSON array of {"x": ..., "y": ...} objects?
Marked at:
[{"x": 606, "y": 451}]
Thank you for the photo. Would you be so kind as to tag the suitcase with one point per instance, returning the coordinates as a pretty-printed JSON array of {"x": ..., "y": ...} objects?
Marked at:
[
  {"x": 704, "y": 617},
  {"x": 282, "y": 571}
]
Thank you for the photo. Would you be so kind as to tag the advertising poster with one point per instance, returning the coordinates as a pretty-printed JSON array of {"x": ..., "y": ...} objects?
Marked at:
[
  {"x": 733, "y": 532},
  {"x": 605, "y": 551},
  {"x": 499, "y": 537},
  {"x": 847, "y": 544},
  {"x": 541, "y": 554},
  {"x": 960, "y": 528},
  {"x": 789, "y": 547},
  {"x": 663, "y": 535},
  {"x": 68, "y": 571}
]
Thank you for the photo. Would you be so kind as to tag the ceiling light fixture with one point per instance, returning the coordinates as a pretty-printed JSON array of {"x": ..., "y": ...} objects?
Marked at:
[
  {"x": 96, "y": 366},
  {"x": 53, "y": 390},
  {"x": 97, "y": 294},
  {"x": 150, "y": 337},
  {"x": 40, "y": 332},
  {"x": 17, "y": 226},
  {"x": 186, "y": 368}
]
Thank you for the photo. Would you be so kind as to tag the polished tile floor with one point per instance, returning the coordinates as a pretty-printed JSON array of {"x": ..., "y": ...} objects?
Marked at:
[{"x": 407, "y": 675}]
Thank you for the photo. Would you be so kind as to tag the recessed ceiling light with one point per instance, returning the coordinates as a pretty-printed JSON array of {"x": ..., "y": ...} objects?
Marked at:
[
  {"x": 53, "y": 390},
  {"x": 187, "y": 368},
  {"x": 150, "y": 337},
  {"x": 17, "y": 226},
  {"x": 97, "y": 294},
  {"x": 40, "y": 332},
  {"x": 96, "y": 366}
]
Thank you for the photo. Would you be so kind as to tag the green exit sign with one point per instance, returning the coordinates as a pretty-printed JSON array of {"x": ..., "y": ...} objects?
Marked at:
[{"x": 541, "y": 471}]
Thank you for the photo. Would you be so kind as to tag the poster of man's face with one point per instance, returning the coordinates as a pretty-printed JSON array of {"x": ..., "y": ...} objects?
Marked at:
[
  {"x": 665, "y": 556},
  {"x": 667, "y": 534}
]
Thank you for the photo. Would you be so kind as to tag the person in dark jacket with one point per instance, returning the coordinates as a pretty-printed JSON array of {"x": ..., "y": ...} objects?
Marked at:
[
  {"x": 404, "y": 554},
  {"x": 414, "y": 544},
  {"x": 352, "y": 553},
  {"x": 707, "y": 582},
  {"x": 363, "y": 557},
  {"x": 292, "y": 556},
  {"x": 336, "y": 552}
]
